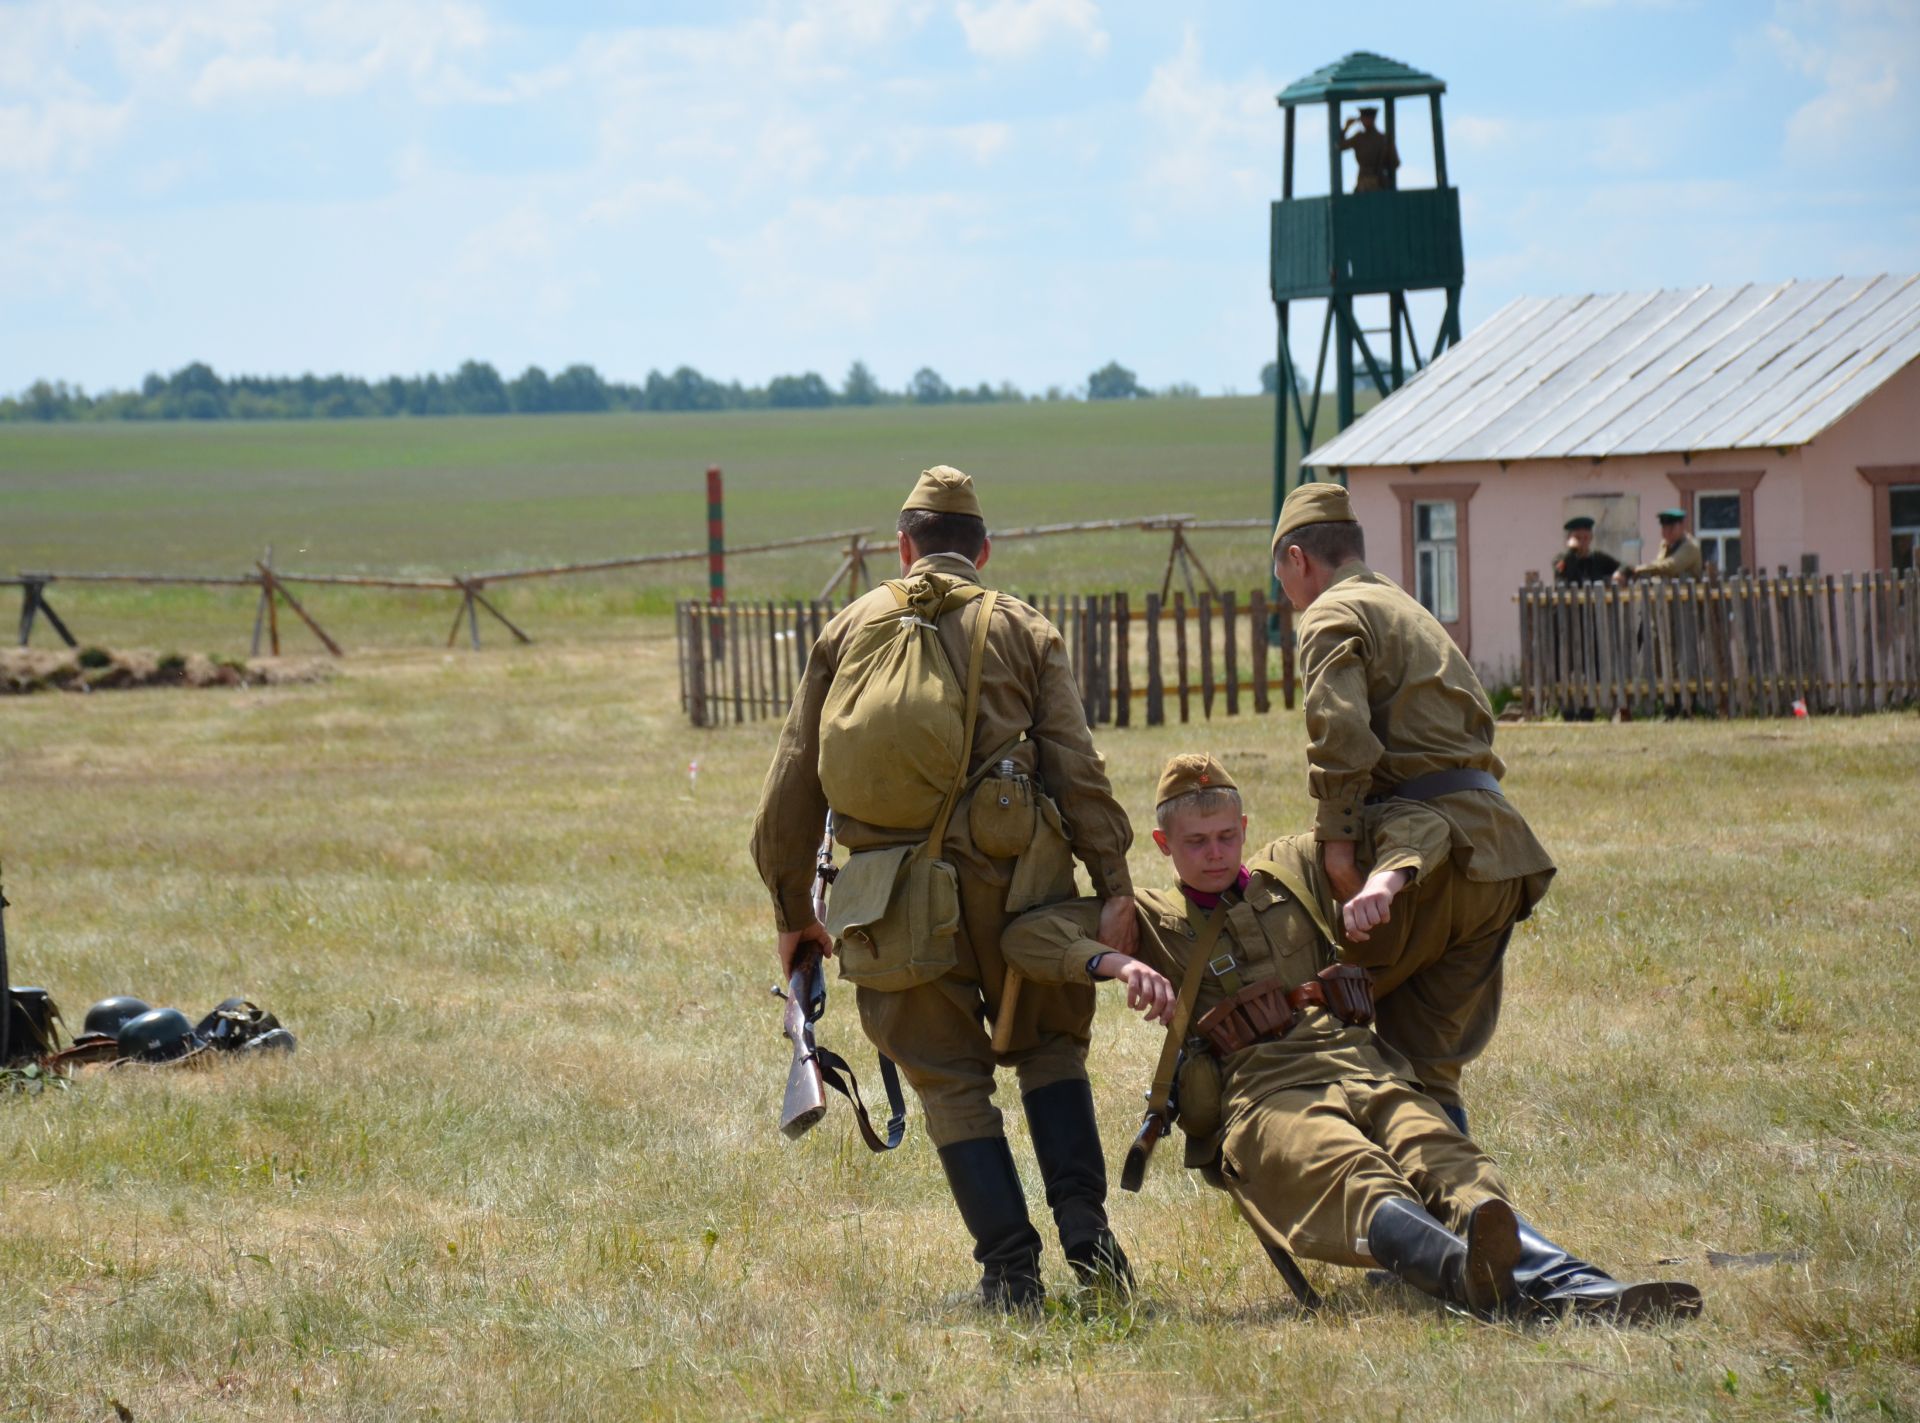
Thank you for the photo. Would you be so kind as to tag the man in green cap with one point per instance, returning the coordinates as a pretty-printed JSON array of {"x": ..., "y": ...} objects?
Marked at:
[
  {"x": 1290, "y": 1102},
  {"x": 1680, "y": 556},
  {"x": 995, "y": 790},
  {"x": 1394, "y": 712},
  {"x": 1579, "y": 561}
]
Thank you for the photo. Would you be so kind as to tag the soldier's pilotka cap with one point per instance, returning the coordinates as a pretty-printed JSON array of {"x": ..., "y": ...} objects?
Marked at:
[
  {"x": 1579, "y": 522},
  {"x": 1672, "y": 516},
  {"x": 1313, "y": 504},
  {"x": 1193, "y": 771},
  {"x": 944, "y": 490}
]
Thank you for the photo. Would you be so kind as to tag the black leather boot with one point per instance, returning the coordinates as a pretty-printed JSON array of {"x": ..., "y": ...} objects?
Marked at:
[
  {"x": 1555, "y": 1281},
  {"x": 986, "y": 1187},
  {"x": 1066, "y": 1139},
  {"x": 1475, "y": 1274}
]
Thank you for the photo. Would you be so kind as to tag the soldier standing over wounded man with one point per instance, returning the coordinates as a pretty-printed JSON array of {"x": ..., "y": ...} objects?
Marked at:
[
  {"x": 1394, "y": 712},
  {"x": 917, "y": 911},
  {"x": 1291, "y": 1103}
]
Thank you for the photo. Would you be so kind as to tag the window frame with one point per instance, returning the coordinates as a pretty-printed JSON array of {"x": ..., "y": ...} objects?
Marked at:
[
  {"x": 1460, "y": 496},
  {"x": 1882, "y": 479},
  {"x": 1691, "y": 484}
]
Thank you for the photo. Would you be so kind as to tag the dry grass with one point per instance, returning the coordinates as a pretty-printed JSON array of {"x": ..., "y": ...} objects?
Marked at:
[{"x": 525, "y": 1163}]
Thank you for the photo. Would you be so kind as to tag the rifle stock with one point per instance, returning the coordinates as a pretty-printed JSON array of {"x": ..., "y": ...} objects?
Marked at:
[
  {"x": 1133, "y": 1171},
  {"x": 806, "y": 1099}
]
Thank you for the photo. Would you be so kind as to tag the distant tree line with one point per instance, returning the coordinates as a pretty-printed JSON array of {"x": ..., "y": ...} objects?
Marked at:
[{"x": 197, "y": 392}]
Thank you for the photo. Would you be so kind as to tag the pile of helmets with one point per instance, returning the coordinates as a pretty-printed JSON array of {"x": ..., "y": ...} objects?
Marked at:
[{"x": 125, "y": 1029}]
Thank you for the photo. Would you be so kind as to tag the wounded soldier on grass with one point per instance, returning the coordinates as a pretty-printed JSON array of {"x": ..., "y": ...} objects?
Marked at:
[{"x": 1291, "y": 1103}]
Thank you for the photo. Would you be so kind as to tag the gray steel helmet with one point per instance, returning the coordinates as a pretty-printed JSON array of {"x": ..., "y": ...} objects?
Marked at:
[
  {"x": 157, "y": 1036},
  {"x": 110, "y": 1015}
]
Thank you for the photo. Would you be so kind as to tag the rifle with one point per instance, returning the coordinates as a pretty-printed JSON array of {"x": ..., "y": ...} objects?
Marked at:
[{"x": 815, "y": 1068}]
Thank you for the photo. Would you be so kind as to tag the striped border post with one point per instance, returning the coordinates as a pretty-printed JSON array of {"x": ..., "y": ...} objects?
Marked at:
[{"x": 716, "y": 539}]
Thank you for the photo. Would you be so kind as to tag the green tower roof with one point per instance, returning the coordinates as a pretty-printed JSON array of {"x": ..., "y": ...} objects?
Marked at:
[{"x": 1360, "y": 76}]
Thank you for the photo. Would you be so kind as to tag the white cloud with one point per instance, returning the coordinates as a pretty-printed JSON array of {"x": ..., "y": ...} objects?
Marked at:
[
  {"x": 1865, "y": 55},
  {"x": 57, "y": 135},
  {"x": 1211, "y": 140},
  {"x": 1019, "y": 29}
]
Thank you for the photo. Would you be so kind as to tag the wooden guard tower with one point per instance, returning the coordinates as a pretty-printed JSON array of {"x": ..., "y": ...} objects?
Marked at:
[{"x": 1343, "y": 245}]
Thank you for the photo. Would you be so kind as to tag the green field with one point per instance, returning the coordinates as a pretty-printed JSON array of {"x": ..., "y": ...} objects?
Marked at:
[
  {"x": 431, "y": 496},
  {"x": 525, "y": 1164}
]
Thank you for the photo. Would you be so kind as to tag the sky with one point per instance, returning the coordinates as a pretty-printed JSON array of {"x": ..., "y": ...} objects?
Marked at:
[{"x": 1012, "y": 190}]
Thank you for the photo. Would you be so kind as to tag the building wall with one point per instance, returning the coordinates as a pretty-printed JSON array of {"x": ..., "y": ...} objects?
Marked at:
[{"x": 1806, "y": 500}]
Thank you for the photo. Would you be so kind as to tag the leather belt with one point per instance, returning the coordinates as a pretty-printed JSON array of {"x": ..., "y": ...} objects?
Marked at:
[
  {"x": 1266, "y": 1011},
  {"x": 1435, "y": 784}
]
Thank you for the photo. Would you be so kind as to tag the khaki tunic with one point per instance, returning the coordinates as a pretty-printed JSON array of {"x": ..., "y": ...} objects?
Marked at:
[
  {"x": 1678, "y": 560},
  {"x": 1322, "y": 1125},
  {"x": 1389, "y": 696},
  {"x": 937, "y": 1031}
]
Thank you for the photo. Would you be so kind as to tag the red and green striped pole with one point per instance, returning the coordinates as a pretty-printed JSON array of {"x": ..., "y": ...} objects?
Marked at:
[{"x": 716, "y": 539}]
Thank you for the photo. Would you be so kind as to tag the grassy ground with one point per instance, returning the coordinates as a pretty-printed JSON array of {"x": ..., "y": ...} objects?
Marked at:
[{"x": 525, "y": 1164}]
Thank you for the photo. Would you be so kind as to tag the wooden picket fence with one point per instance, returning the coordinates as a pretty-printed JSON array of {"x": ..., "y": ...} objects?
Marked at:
[
  {"x": 1746, "y": 645},
  {"x": 742, "y": 662}
]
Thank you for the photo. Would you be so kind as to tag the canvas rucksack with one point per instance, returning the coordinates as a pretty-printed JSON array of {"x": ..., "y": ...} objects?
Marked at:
[{"x": 893, "y": 738}]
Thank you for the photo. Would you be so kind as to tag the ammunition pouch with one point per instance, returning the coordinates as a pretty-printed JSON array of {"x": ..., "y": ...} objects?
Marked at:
[
  {"x": 1266, "y": 1010},
  {"x": 1001, "y": 816},
  {"x": 894, "y": 913}
]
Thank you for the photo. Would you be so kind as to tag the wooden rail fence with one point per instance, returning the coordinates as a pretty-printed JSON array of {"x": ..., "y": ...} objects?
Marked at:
[
  {"x": 1746, "y": 645},
  {"x": 742, "y": 662}
]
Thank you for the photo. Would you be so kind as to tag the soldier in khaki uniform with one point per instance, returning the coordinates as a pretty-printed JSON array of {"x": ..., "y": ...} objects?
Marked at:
[
  {"x": 1680, "y": 556},
  {"x": 1317, "y": 1128},
  {"x": 1032, "y": 745},
  {"x": 1394, "y": 711}
]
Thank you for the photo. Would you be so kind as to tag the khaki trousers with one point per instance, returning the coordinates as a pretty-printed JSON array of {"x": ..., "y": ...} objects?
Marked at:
[
  {"x": 940, "y": 1033},
  {"x": 1439, "y": 1008},
  {"x": 1309, "y": 1166}
]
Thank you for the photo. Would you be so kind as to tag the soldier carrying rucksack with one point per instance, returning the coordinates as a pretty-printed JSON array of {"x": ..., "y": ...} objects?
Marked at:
[{"x": 941, "y": 724}]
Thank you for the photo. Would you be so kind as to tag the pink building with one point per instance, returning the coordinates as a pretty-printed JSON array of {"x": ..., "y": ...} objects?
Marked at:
[{"x": 1785, "y": 420}]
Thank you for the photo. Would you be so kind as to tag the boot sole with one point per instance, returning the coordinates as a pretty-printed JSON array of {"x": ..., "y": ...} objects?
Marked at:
[
  {"x": 1639, "y": 1304},
  {"x": 1493, "y": 1250}
]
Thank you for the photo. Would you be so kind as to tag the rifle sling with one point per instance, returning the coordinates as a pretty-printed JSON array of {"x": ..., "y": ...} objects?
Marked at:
[
  {"x": 1162, "y": 1090},
  {"x": 832, "y": 1065}
]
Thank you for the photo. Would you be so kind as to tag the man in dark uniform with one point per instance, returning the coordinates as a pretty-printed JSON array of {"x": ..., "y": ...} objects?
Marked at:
[{"x": 1578, "y": 561}]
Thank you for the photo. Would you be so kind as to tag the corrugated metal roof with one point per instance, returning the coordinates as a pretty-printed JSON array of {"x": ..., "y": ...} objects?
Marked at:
[
  {"x": 1360, "y": 75},
  {"x": 1635, "y": 373}
]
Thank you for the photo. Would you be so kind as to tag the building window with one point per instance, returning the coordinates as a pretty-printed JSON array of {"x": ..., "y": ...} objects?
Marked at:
[
  {"x": 1436, "y": 559},
  {"x": 1903, "y": 520},
  {"x": 1716, "y": 527}
]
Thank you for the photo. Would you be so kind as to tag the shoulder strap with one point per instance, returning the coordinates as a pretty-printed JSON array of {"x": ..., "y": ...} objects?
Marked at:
[
  {"x": 975, "y": 658},
  {"x": 1158, "y": 1118},
  {"x": 1296, "y": 883}
]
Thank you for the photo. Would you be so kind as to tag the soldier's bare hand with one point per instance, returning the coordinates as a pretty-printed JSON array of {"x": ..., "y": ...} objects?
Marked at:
[
  {"x": 1373, "y": 905},
  {"x": 796, "y": 946},
  {"x": 1148, "y": 991},
  {"x": 1343, "y": 873},
  {"x": 1119, "y": 925}
]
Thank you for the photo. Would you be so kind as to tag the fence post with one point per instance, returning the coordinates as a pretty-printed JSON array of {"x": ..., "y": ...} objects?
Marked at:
[
  {"x": 1123, "y": 659},
  {"x": 716, "y": 538},
  {"x": 1257, "y": 640},
  {"x": 1156, "y": 687},
  {"x": 1180, "y": 648},
  {"x": 1230, "y": 625},
  {"x": 1206, "y": 654},
  {"x": 697, "y": 647}
]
